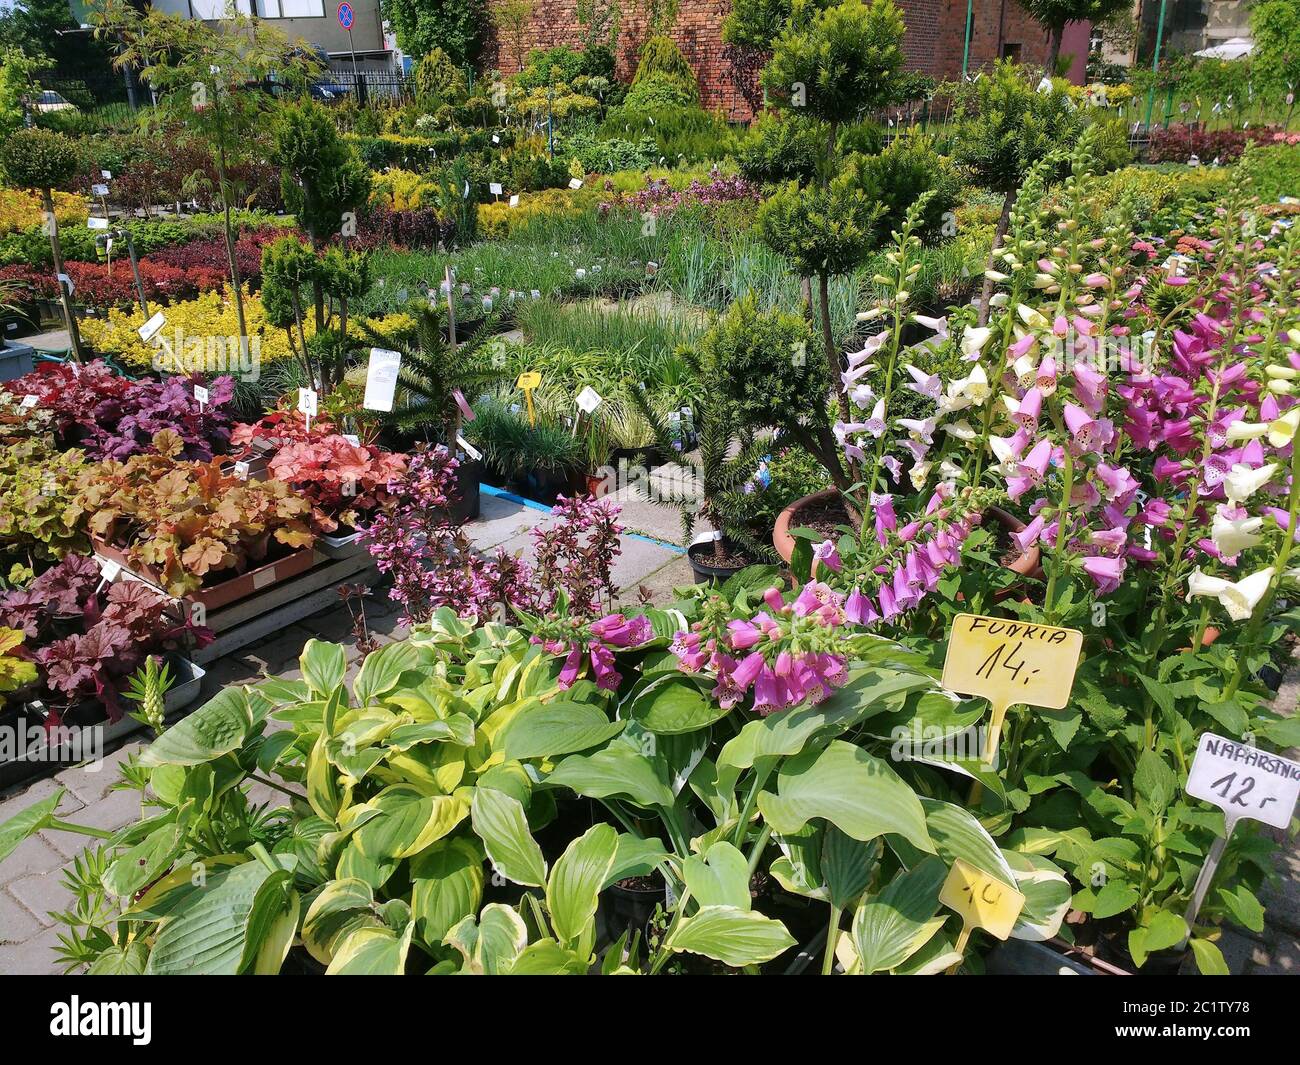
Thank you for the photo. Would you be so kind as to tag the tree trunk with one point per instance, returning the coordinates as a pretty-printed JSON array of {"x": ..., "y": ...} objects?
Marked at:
[
  {"x": 235, "y": 279},
  {"x": 56, "y": 249},
  {"x": 999, "y": 236},
  {"x": 828, "y": 343},
  {"x": 1054, "y": 35}
]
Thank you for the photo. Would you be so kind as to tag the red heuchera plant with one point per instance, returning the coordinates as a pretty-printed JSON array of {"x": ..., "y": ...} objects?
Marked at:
[
  {"x": 343, "y": 481},
  {"x": 108, "y": 416},
  {"x": 87, "y": 641}
]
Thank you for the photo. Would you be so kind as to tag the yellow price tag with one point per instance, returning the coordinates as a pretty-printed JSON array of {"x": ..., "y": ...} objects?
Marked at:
[
  {"x": 1010, "y": 662},
  {"x": 528, "y": 380},
  {"x": 981, "y": 901}
]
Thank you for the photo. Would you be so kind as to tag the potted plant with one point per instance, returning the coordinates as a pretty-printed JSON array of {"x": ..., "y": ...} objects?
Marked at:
[{"x": 192, "y": 529}]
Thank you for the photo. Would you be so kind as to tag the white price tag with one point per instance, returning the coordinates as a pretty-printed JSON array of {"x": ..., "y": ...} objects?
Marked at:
[
  {"x": 514, "y": 200},
  {"x": 352, "y": 439},
  {"x": 67, "y": 284},
  {"x": 201, "y": 394},
  {"x": 109, "y": 569},
  {"x": 263, "y": 577},
  {"x": 469, "y": 448},
  {"x": 241, "y": 470},
  {"x": 99, "y": 190},
  {"x": 1244, "y": 781},
  {"x": 381, "y": 379},
  {"x": 307, "y": 402},
  {"x": 29, "y": 400},
  {"x": 494, "y": 187},
  {"x": 97, "y": 223},
  {"x": 150, "y": 328},
  {"x": 589, "y": 399},
  {"x": 107, "y": 175},
  {"x": 575, "y": 183},
  {"x": 496, "y": 138}
]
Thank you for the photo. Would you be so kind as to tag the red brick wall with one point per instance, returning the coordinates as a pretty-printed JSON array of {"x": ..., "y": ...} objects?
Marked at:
[{"x": 728, "y": 77}]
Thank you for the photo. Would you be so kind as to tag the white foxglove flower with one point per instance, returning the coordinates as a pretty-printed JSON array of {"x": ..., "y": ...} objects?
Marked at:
[
  {"x": 1238, "y": 598},
  {"x": 962, "y": 430},
  {"x": 1239, "y": 431},
  {"x": 1281, "y": 430},
  {"x": 1242, "y": 482},
  {"x": 1234, "y": 535},
  {"x": 973, "y": 341}
]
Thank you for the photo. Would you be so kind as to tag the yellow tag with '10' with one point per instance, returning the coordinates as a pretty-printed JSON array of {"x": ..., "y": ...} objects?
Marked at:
[
  {"x": 1009, "y": 662},
  {"x": 981, "y": 901}
]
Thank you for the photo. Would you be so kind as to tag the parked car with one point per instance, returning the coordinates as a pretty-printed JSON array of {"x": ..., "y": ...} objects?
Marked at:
[{"x": 48, "y": 100}]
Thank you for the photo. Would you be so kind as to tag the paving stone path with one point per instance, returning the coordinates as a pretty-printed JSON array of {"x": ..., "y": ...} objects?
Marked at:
[{"x": 31, "y": 878}]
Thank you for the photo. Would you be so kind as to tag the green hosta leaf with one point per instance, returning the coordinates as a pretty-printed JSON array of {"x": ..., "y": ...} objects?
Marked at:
[
  {"x": 732, "y": 936},
  {"x": 323, "y": 666},
  {"x": 28, "y": 822},
  {"x": 547, "y": 958},
  {"x": 577, "y": 879},
  {"x": 381, "y": 670},
  {"x": 323, "y": 792},
  {"x": 272, "y": 923},
  {"x": 846, "y": 866},
  {"x": 376, "y": 951},
  {"x": 207, "y": 935},
  {"x": 672, "y": 705},
  {"x": 218, "y": 727},
  {"x": 616, "y": 771},
  {"x": 719, "y": 877},
  {"x": 857, "y": 792},
  {"x": 446, "y": 887},
  {"x": 490, "y": 944},
  {"x": 129, "y": 960},
  {"x": 1209, "y": 958},
  {"x": 891, "y": 927},
  {"x": 550, "y": 729},
  {"x": 500, "y": 822},
  {"x": 143, "y": 863},
  {"x": 635, "y": 857},
  {"x": 957, "y": 833}
]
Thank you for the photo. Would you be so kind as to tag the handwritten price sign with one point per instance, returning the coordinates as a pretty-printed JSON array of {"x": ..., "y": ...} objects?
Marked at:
[
  {"x": 1244, "y": 781},
  {"x": 981, "y": 901},
  {"x": 1010, "y": 662}
]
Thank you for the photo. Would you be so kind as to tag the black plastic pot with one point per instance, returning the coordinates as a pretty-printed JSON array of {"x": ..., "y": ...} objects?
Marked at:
[
  {"x": 466, "y": 505},
  {"x": 699, "y": 556},
  {"x": 626, "y": 909}
]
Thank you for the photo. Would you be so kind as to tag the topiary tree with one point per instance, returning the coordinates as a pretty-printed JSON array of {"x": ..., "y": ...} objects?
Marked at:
[
  {"x": 1054, "y": 14},
  {"x": 322, "y": 180},
  {"x": 438, "y": 80},
  {"x": 38, "y": 159},
  {"x": 1004, "y": 128}
]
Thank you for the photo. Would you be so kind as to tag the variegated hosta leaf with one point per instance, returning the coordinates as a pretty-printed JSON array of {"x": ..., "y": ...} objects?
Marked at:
[
  {"x": 1047, "y": 896},
  {"x": 891, "y": 926},
  {"x": 732, "y": 936},
  {"x": 372, "y": 951},
  {"x": 500, "y": 822},
  {"x": 490, "y": 944},
  {"x": 719, "y": 877},
  {"x": 574, "y": 886},
  {"x": 446, "y": 887},
  {"x": 341, "y": 908}
]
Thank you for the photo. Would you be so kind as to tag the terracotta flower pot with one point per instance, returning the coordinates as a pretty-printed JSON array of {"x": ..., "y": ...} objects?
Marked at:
[{"x": 781, "y": 538}]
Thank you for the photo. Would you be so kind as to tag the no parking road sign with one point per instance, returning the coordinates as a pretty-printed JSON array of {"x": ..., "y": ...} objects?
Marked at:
[{"x": 346, "y": 15}]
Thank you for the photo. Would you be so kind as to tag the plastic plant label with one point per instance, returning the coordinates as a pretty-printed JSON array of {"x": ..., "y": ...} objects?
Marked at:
[
  {"x": 99, "y": 190},
  {"x": 381, "y": 379},
  {"x": 241, "y": 470},
  {"x": 514, "y": 200},
  {"x": 150, "y": 328},
  {"x": 109, "y": 569},
  {"x": 494, "y": 187},
  {"x": 469, "y": 448},
  {"x": 1010, "y": 662},
  {"x": 536, "y": 294},
  {"x": 352, "y": 439},
  {"x": 589, "y": 399},
  {"x": 467, "y": 412},
  {"x": 107, "y": 175},
  {"x": 528, "y": 380},
  {"x": 200, "y": 394},
  {"x": 97, "y": 223},
  {"x": 29, "y": 400},
  {"x": 575, "y": 183},
  {"x": 981, "y": 900},
  {"x": 1244, "y": 781},
  {"x": 263, "y": 577},
  {"x": 307, "y": 402},
  {"x": 66, "y": 282},
  {"x": 496, "y": 138}
]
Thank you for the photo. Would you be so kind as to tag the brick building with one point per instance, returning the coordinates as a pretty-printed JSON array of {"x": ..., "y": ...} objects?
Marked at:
[{"x": 727, "y": 76}]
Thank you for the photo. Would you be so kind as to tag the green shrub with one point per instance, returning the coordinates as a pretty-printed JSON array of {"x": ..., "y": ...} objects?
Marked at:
[
  {"x": 682, "y": 133},
  {"x": 38, "y": 159},
  {"x": 660, "y": 57},
  {"x": 605, "y": 156},
  {"x": 1275, "y": 170}
]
